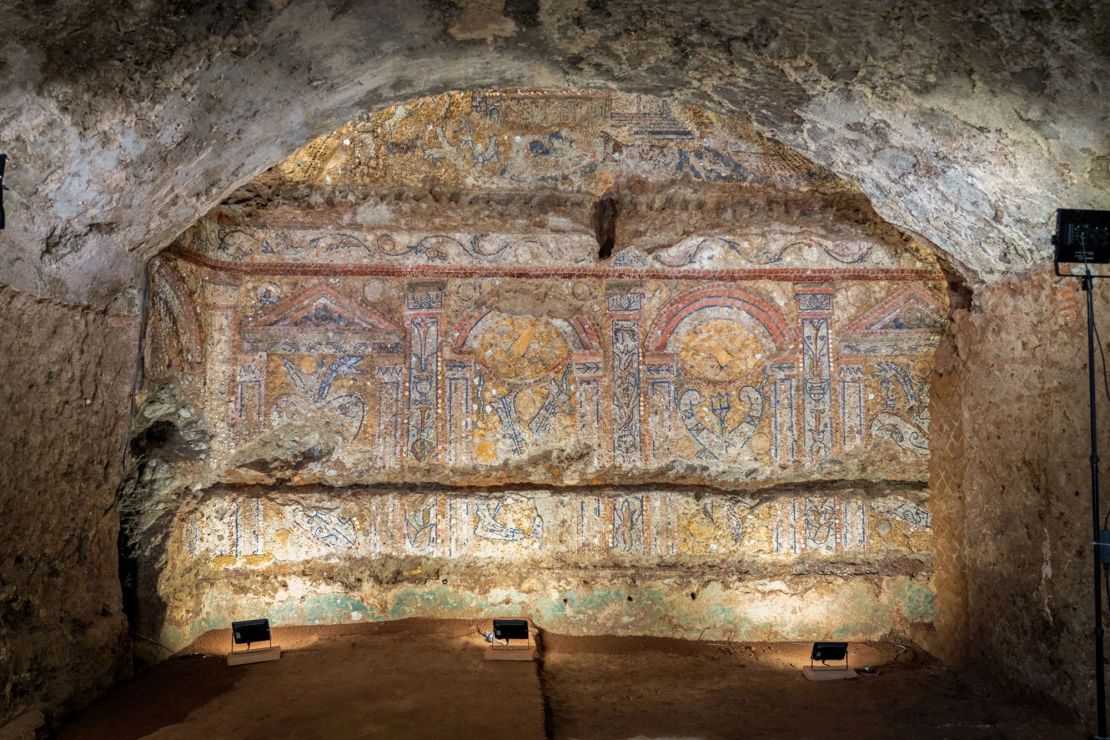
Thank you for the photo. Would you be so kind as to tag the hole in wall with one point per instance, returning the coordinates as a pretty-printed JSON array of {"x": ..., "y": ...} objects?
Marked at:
[{"x": 605, "y": 225}]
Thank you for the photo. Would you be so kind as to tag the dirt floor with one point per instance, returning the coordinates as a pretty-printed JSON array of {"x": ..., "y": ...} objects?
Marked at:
[{"x": 429, "y": 679}]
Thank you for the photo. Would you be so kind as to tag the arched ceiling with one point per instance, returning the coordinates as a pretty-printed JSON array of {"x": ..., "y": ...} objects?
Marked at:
[{"x": 966, "y": 124}]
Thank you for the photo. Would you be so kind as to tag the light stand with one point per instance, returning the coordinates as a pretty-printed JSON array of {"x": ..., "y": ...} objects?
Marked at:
[
  {"x": 3, "y": 162},
  {"x": 1083, "y": 237}
]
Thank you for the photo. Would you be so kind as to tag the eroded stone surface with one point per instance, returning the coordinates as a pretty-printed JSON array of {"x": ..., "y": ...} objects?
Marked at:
[
  {"x": 968, "y": 125},
  {"x": 68, "y": 376},
  {"x": 1020, "y": 370}
]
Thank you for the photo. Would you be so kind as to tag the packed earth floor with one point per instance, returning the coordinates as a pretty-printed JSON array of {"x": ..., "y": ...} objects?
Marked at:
[{"x": 429, "y": 679}]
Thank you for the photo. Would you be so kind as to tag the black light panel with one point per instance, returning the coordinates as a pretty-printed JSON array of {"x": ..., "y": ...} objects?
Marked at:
[
  {"x": 1082, "y": 236},
  {"x": 251, "y": 630},
  {"x": 829, "y": 651},
  {"x": 510, "y": 629}
]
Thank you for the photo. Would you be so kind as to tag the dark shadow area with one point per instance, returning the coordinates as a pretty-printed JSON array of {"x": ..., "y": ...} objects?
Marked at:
[{"x": 161, "y": 696}]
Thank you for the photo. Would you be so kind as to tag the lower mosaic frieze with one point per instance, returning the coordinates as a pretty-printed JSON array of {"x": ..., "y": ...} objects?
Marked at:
[{"x": 230, "y": 529}]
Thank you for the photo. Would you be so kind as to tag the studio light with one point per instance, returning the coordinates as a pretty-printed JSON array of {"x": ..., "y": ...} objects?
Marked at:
[
  {"x": 248, "y": 632},
  {"x": 1083, "y": 239},
  {"x": 820, "y": 655},
  {"x": 510, "y": 629}
]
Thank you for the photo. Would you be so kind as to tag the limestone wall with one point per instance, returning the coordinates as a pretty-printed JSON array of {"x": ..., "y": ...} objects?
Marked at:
[{"x": 67, "y": 378}]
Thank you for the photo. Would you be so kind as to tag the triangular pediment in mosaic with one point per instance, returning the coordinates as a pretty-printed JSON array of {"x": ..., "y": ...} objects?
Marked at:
[
  {"x": 912, "y": 309},
  {"x": 321, "y": 307}
]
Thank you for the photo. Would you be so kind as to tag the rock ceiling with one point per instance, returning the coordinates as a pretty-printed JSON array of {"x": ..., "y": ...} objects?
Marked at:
[{"x": 964, "y": 126}]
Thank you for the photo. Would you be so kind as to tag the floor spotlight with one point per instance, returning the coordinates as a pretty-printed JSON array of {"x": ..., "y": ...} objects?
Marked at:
[
  {"x": 823, "y": 653},
  {"x": 249, "y": 632},
  {"x": 510, "y": 639}
]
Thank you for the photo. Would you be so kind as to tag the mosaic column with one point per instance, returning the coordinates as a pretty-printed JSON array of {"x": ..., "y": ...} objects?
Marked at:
[
  {"x": 458, "y": 409},
  {"x": 250, "y": 392},
  {"x": 851, "y": 406},
  {"x": 784, "y": 426},
  {"x": 423, "y": 318},
  {"x": 624, "y": 306},
  {"x": 814, "y": 312},
  {"x": 221, "y": 376},
  {"x": 660, "y": 371},
  {"x": 390, "y": 379},
  {"x": 589, "y": 368}
]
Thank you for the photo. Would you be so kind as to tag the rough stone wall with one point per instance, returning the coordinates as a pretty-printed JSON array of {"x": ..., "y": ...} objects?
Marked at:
[
  {"x": 1021, "y": 372},
  {"x": 67, "y": 374},
  {"x": 947, "y": 635}
]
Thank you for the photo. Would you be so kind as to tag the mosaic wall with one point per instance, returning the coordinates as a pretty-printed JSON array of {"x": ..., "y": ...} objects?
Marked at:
[
  {"x": 571, "y": 141},
  {"x": 745, "y": 405},
  {"x": 733, "y": 374},
  {"x": 847, "y": 563}
]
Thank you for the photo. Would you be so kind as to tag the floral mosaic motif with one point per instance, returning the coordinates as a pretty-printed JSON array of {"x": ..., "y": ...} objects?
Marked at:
[
  {"x": 508, "y": 519},
  {"x": 326, "y": 525},
  {"x": 421, "y": 518},
  {"x": 312, "y": 379}
]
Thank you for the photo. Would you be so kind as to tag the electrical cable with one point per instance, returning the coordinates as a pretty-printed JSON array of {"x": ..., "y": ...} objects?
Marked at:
[{"x": 1106, "y": 388}]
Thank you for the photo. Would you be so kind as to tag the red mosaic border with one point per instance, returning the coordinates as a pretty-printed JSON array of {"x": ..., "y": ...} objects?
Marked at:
[{"x": 759, "y": 307}]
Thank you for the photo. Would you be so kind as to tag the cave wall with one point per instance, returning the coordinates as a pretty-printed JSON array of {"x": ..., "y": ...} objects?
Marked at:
[
  {"x": 1020, "y": 370},
  {"x": 68, "y": 373}
]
